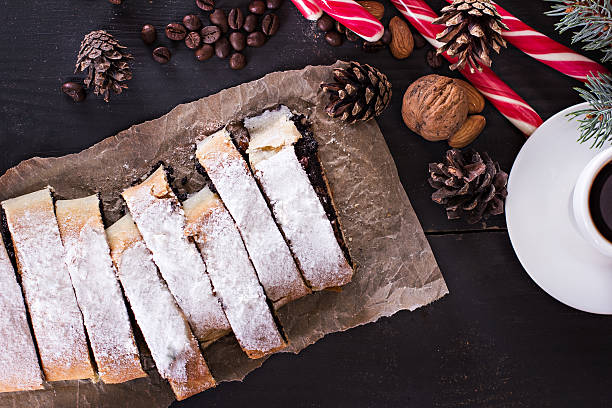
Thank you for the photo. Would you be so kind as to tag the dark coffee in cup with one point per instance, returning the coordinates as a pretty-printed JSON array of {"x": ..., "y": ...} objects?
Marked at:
[{"x": 600, "y": 201}]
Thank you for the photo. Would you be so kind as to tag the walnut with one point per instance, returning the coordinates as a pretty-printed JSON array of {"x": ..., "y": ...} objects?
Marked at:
[{"x": 436, "y": 107}]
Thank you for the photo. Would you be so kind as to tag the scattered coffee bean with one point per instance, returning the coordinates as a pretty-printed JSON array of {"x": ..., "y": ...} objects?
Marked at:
[
  {"x": 340, "y": 28},
  {"x": 419, "y": 41},
  {"x": 257, "y": 7},
  {"x": 161, "y": 55},
  {"x": 148, "y": 34},
  {"x": 274, "y": 4},
  {"x": 433, "y": 59},
  {"x": 351, "y": 36},
  {"x": 256, "y": 39},
  {"x": 270, "y": 24},
  {"x": 235, "y": 19},
  {"x": 193, "y": 40},
  {"x": 222, "y": 48},
  {"x": 204, "y": 52},
  {"x": 192, "y": 22},
  {"x": 210, "y": 34},
  {"x": 373, "y": 46},
  {"x": 386, "y": 37},
  {"x": 325, "y": 23},
  {"x": 206, "y": 5},
  {"x": 237, "y": 61},
  {"x": 333, "y": 38},
  {"x": 176, "y": 31},
  {"x": 219, "y": 19},
  {"x": 250, "y": 23},
  {"x": 237, "y": 40},
  {"x": 74, "y": 90}
]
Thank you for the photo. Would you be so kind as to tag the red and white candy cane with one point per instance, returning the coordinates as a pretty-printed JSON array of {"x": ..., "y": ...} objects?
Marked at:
[
  {"x": 507, "y": 102},
  {"x": 354, "y": 17},
  {"x": 547, "y": 50},
  {"x": 309, "y": 9}
]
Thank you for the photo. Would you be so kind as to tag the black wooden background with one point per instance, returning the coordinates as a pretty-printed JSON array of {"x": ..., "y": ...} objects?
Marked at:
[{"x": 496, "y": 341}]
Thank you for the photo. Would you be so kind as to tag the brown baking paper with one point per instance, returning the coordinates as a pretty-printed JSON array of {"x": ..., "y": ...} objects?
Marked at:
[{"x": 395, "y": 268}]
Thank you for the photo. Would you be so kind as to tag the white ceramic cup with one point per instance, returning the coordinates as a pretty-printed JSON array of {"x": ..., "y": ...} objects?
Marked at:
[{"x": 582, "y": 214}]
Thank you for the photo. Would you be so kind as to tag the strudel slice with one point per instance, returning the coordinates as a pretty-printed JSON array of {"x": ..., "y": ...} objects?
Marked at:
[
  {"x": 97, "y": 290},
  {"x": 161, "y": 221},
  {"x": 294, "y": 202},
  {"x": 232, "y": 274},
  {"x": 164, "y": 327},
  {"x": 266, "y": 246},
  {"x": 19, "y": 369},
  {"x": 56, "y": 318}
]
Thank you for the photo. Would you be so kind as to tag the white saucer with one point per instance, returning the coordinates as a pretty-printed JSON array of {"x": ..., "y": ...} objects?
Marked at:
[{"x": 540, "y": 221}]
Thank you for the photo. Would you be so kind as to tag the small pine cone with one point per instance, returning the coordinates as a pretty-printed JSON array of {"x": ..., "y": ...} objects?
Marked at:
[
  {"x": 106, "y": 61},
  {"x": 472, "y": 27},
  {"x": 360, "y": 92},
  {"x": 469, "y": 185}
]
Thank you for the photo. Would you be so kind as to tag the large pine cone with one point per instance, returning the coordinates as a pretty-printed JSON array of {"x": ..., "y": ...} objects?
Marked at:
[
  {"x": 106, "y": 61},
  {"x": 472, "y": 27},
  {"x": 469, "y": 185},
  {"x": 359, "y": 93}
]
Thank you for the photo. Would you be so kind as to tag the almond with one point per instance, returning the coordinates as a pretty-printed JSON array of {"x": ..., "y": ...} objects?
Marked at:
[
  {"x": 402, "y": 42},
  {"x": 475, "y": 98},
  {"x": 470, "y": 130},
  {"x": 375, "y": 8}
]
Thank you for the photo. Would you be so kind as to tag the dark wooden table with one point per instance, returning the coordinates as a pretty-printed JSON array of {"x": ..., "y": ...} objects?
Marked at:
[{"x": 496, "y": 340}]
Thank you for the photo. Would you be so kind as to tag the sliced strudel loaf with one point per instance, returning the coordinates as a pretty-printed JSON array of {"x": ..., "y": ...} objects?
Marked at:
[
  {"x": 56, "y": 318},
  {"x": 19, "y": 369},
  {"x": 294, "y": 202},
  {"x": 97, "y": 290},
  {"x": 265, "y": 244},
  {"x": 164, "y": 327},
  {"x": 232, "y": 274},
  {"x": 161, "y": 221}
]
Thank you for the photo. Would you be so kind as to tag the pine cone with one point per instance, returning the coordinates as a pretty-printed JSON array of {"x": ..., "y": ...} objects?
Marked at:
[
  {"x": 359, "y": 93},
  {"x": 472, "y": 27},
  {"x": 106, "y": 61},
  {"x": 470, "y": 185}
]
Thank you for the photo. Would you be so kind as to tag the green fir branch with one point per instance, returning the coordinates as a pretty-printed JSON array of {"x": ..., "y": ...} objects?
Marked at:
[
  {"x": 592, "y": 19},
  {"x": 596, "y": 120}
]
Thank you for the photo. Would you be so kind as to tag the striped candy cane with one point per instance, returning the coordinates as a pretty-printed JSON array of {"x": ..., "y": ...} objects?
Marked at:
[
  {"x": 507, "y": 102},
  {"x": 309, "y": 9},
  {"x": 354, "y": 17},
  {"x": 547, "y": 50}
]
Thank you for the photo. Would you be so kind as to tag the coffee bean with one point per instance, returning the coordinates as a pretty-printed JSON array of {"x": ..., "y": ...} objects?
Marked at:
[
  {"x": 250, "y": 23},
  {"x": 238, "y": 40},
  {"x": 235, "y": 19},
  {"x": 386, "y": 37},
  {"x": 192, "y": 22},
  {"x": 257, "y": 7},
  {"x": 222, "y": 48},
  {"x": 161, "y": 55},
  {"x": 206, "y": 5},
  {"x": 210, "y": 34},
  {"x": 351, "y": 36},
  {"x": 433, "y": 59},
  {"x": 193, "y": 40},
  {"x": 74, "y": 90},
  {"x": 340, "y": 28},
  {"x": 419, "y": 41},
  {"x": 219, "y": 19},
  {"x": 333, "y": 38},
  {"x": 148, "y": 34},
  {"x": 237, "y": 61},
  {"x": 204, "y": 52},
  {"x": 373, "y": 46},
  {"x": 274, "y": 4},
  {"x": 176, "y": 31},
  {"x": 270, "y": 24},
  {"x": 325, "y": 23},
  {"x": 256, "y": 39}
]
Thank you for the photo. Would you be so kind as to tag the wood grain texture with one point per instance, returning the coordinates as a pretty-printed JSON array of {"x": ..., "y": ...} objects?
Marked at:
[{"x": 497, "y": 340}]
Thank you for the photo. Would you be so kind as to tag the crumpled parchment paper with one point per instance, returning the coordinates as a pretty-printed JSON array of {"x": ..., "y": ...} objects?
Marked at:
[{"x": 396, "y": 269}]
